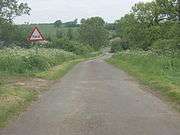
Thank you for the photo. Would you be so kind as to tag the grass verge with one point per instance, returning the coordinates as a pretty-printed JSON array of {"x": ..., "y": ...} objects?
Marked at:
[
  {"x": 13, "y": 100},
  {"x": 58, "y": 71},
  {"x": 161, "y": 73}
]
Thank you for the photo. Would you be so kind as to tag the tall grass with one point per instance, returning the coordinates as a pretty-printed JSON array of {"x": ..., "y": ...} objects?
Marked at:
[
  {"x": 14, "y": 62},
  {"x": 158, "y": 70},
  {"x": 18, "y": 60},
  {"x": 13, "y": 100}
]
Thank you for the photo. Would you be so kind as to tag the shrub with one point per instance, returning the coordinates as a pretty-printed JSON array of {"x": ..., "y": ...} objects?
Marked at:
[
  {"x": 167, "y": 45},
  {"x": 18, "y": 60},
  {"x": 117, "y": 44},
  {"x": 80, "y": 49},
  {"x": 71, "y": 46}
]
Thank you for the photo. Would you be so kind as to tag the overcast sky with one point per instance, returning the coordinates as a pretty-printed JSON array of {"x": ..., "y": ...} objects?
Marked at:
[{"x": 66, "y": 10}]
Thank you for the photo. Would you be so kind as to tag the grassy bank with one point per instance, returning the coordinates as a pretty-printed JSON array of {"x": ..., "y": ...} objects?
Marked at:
[
  {"x": 18, "y": 60},
  {"x": 58, "y": 71},
  {"x": 20, "y": 70},
  {"x": 13, "y": 100},
  {"x": 25, "y": 73},
  {"x": 160, "y": 72}
]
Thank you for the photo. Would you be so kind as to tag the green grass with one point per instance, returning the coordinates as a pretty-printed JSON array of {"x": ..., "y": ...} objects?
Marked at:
[
  {"x": 13, "y": 100},
  {"x": 18, "y": 63},
  {"x": 49, "y": 30},
  {"x": 18, "y": 60},
  {"x": 160, "y": 72},
  {"x": 58, "y": 71}
]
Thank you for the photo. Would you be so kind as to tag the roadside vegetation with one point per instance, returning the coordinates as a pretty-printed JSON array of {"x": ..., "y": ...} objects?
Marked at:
[
  {"x": 160, "y": 72},
  {"x": 58, "y": 71},
  {"x": 19, "y": 60},
  {"x": 147, "y": 45},
  {"x": 26, "y": 69}
]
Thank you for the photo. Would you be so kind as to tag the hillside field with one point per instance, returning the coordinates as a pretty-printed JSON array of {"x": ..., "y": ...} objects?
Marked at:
[{"x": 49, "y": 30}]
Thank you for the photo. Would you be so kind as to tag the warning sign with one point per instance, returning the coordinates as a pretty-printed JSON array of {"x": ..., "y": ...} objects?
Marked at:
[{"x": 36, "y": 35}]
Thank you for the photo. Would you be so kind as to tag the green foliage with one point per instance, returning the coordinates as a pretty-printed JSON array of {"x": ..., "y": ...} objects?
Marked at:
[
  {"x": 156, "y": 11},
  {"x": 58, "y": 23},
  {"x": 159, "y": 71},
  {"x": 166, "y": 45},
  {"x": 12, "y": 8},
  {"x": 60, "y": 34},
  {"x": 19, "y": 60},
  {"x": 93, "y": 32},
  {"x": 71, "y": 23},
  {"x": 13, "y": 100},
  {"x": 51, "y": 33},
  {"x": 149, "y": 22},
  {"x": 71, "y": 46},
  {"x": 117, "y": 44},
  {"x": 178, "y": 9},
  {"x": 13, "y": 35},
  {"x": 58, "y": 71},
  {"x": 70, "y": 34}
]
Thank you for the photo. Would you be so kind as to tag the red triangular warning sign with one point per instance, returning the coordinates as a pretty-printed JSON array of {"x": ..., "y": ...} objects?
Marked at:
[{"x": 36, "y": 35}]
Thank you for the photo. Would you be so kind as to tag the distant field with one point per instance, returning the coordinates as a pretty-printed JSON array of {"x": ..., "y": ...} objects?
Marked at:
[{"x": 49, "y": 30}]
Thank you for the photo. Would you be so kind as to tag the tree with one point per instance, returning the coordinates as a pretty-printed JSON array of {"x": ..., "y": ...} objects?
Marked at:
[
  {"x": 71, "y": 23},
  {"x": 93, "y": 32},
  {"x": 70, "y": 34},
  {"x": 155, "y": 12},
  {"x": 58, "y": 23},
  {"x": 149, "y": 22},
  {"x": 59, "y": 34},
  {"x": 9, "y": 9}
]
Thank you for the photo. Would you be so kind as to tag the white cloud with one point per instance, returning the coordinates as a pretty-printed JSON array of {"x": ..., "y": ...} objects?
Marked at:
[{"x": 51, "y": 10}]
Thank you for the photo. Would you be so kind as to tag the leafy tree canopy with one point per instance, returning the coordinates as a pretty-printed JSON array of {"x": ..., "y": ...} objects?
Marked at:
[
  {"x": 58, "y": 23},
  {"x": 93, "y": 32},
  {"x": 149, "y": 22},
  {"x": 9, "y": 9},
  {"x": 155, "y": 11}
]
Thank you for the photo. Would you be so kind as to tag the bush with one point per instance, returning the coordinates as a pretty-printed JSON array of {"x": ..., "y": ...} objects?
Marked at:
[
  {"x": 18, "y": 60},
  {"x": 71, "y": 46},
  {"x": 80, "y": 49},
  {"x": 117, "y": 44},
  {"x": 167, "y": 44}
]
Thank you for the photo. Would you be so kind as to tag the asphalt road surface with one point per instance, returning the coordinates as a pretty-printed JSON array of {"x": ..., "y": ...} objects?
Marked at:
[{"x": 96, "y": 99}]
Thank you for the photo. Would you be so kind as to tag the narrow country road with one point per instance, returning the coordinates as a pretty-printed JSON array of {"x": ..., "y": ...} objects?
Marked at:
[{"x": 96, "y": 99}]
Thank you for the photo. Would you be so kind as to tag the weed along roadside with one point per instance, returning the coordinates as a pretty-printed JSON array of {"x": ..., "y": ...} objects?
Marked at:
[
  {"x": 159, "y": 72},
  {"x": 15, "y": 98},
  {"x": 30, "y": 77},
  {"x": 58, "y": 71}
]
